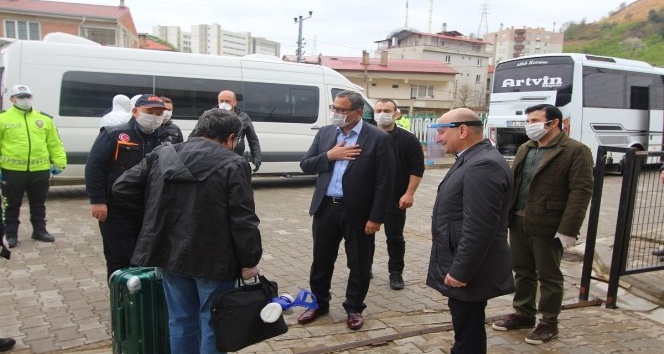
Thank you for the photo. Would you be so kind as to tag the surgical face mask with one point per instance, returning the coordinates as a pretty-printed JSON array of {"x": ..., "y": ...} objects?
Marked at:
[
  {"x": 226, "y": 106},
  {"x": 338, "y": 119},
  {"x": 384, "y": 119},
  {"x": 167, "y": 116},
  {"x": 149, "y": 122},
  {"x": 536, "y": 131},
  {"x": 24, "y": 103}
]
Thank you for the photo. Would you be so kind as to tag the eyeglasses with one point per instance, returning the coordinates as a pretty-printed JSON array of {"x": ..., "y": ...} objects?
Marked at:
[{"x": 341, "y": 110}]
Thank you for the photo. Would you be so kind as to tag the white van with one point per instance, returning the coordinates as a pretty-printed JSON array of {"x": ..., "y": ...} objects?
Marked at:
[{"x": 75, "y": 83}]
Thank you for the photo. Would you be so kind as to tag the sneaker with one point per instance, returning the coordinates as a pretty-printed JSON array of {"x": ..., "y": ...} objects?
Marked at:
[
  {"x": 543, "y": 333},
  {"x": 513, "y": 321},
  {"x": 396, "y": 281},
  {"x": 43, "y": 236}
]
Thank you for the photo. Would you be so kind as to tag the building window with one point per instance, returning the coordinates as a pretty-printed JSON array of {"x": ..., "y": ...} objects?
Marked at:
[
  {"x": 421, "y": 91},
  {"x": 395, "y": 86},
  {"x": 22, "y": 30},
  {"x": 103, "y": 36},
  {"x": 448, "y": 59},
  {"x": 479, "y": 62},
  {"x": 478, "y": 78}
]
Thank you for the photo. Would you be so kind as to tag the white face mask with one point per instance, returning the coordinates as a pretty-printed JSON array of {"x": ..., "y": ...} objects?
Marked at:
[
  {"x": 226, "y": 106},
  {"x": 536, "y": 131},
  {"x": 338, "y": 119},
  {"x": 167, "y": 116},
  {"x": 384, "y": 119},
  {"x": 149, "y": 122},
  {"x": 24, "y": 103}
]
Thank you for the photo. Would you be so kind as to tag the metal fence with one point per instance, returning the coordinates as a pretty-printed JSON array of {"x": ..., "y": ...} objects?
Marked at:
[{"x": 640, "y": 220}]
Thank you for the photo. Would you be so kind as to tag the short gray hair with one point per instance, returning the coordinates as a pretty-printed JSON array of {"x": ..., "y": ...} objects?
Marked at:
[{"x": 355, "y": 98}]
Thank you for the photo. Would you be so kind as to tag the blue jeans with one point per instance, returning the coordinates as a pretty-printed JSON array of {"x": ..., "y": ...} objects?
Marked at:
[{"x": 188, "y": 299}]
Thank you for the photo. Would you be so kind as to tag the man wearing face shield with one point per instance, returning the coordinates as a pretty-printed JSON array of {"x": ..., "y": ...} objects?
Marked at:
[
  {"x": 172, "y": 133},
  {"x": 228, "y": 101},
  {"x": 408, "y": 168},
  {"x": 117, "y": 149},
  {"x": 30, "y": 151},
  {"x": 553, "y": 184}
]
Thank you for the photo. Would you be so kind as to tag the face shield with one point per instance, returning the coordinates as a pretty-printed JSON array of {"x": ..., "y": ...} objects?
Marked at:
[{"x": 435, "y": 151}]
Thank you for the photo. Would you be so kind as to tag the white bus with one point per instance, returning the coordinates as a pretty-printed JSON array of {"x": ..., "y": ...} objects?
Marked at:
[
  {"x": 604, "y": 101},
  {"x": 74, "y": 80}
]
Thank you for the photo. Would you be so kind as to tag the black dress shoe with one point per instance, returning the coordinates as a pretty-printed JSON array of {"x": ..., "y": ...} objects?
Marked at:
[
  {"x": 396, "y": 281},
  {"x": 311, "y": 315},
  {"x": 6, "y": 344},
  {"x": 12, "y": 240},
  {"x": 43, "y": 236},
  {"x": 355, "y": 321}
]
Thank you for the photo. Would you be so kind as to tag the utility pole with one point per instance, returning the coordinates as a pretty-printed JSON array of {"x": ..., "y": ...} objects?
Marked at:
[{"x": 300, "y": 44}]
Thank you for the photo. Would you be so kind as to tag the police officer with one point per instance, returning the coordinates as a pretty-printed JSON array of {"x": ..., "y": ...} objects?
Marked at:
[
  {"x": 30, "y": 151},
  {"x": 117, "y": 149}
]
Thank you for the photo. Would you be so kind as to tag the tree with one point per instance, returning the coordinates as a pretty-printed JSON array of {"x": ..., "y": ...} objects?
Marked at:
[
  {"x": 631, "y": 45},
  {"x": 464, "y": 95}
]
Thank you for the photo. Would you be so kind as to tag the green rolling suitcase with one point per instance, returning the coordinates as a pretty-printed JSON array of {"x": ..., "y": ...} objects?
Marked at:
[{"x": 139, "y": 316}]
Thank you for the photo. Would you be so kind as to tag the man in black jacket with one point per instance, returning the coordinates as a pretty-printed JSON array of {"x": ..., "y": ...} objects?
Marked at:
[
  {"x": 228, "y": 101},
  {"x": 408, "y": 171},
  {"x": 117, "y": 149},
  {"x": 470, "y": 258},
  {"x": 355, "y": 167},
  {"x": 200, "y": 225}
]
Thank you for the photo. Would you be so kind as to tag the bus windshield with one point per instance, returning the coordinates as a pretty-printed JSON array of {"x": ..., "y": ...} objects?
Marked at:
[{"x": 539, "y": 74}]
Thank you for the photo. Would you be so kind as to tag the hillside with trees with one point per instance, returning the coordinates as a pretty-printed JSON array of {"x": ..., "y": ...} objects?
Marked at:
[{"x": 634, "y": 31}]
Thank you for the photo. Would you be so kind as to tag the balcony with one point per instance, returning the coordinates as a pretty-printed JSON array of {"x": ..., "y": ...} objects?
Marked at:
[
  {"x": 520, "y": 39},
  {"x": 519, "y": 47}
]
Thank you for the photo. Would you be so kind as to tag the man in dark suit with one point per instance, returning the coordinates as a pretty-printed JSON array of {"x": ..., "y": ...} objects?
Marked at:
[
  {"x": 355, "y": 167},
  {"x": 470, "y": 260}
]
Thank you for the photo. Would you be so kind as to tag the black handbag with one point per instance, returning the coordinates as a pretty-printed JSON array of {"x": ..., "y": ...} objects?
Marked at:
[{"x": 236, "y": 315}]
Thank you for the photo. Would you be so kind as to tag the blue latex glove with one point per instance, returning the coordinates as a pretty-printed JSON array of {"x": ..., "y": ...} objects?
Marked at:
[{"x": 55, "y": 170}]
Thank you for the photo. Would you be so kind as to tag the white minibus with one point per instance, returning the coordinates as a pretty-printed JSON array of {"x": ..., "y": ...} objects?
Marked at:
[{"x": 74, "y": 80}]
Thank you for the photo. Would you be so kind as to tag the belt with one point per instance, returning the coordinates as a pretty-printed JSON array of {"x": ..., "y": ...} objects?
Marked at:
[{"x": 334, "y": 200}]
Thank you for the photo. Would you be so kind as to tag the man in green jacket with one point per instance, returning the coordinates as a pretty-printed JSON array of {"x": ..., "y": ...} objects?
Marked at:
[
  {"x": 30, "y": 151},
  {"x": 553, "y": 179}
]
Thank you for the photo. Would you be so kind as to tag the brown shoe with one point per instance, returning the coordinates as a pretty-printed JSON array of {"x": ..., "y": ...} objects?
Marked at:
[
  {"x": 355, "y": 321},
  {"x": 310, "y": 315},
  {"x": 543, "y": 333}
]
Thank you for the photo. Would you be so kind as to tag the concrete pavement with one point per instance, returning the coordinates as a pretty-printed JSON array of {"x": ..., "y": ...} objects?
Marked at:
[{"x": 55, "y": 298}]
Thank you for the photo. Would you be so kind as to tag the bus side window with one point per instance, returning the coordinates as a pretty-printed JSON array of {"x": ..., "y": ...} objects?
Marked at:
[{"x": 368, "y": 114}]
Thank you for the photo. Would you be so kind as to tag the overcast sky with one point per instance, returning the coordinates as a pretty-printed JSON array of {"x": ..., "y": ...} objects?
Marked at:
[{"x": 346, "y": 27}]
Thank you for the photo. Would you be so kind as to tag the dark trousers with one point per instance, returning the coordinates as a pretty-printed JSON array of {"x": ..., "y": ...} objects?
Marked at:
[
  {"x": 536, "y": 259},
  {"x": 119, "y": 233},
  {"x": 395, "y": 220},
  {"x": 468, "y": 322},
  {"x": 396, "y": 245},
  {"x": 17, "y": 183},
  {"x": 331, "y": 224}
]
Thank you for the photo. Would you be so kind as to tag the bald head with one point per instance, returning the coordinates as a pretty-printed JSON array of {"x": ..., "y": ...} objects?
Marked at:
[
  {"x": 227, "y": 96},
  {"x": 460, "y": 137}
]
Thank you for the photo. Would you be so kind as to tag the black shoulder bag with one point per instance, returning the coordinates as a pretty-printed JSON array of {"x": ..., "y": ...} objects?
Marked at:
[{"x": 236, "y": 315}]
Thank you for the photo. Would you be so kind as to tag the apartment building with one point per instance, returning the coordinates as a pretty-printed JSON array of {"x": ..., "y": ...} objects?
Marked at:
[
  {"x": 420, "y": 87},
  {"x": 212, "y": 39},
  {"x": 33, "y": 19},
  {"x": 516, "y": 42},
  {"x": 468, "y": 56}
]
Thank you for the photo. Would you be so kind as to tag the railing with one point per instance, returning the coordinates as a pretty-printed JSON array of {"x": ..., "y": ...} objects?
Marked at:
[{"x": 640, "y": 220}]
